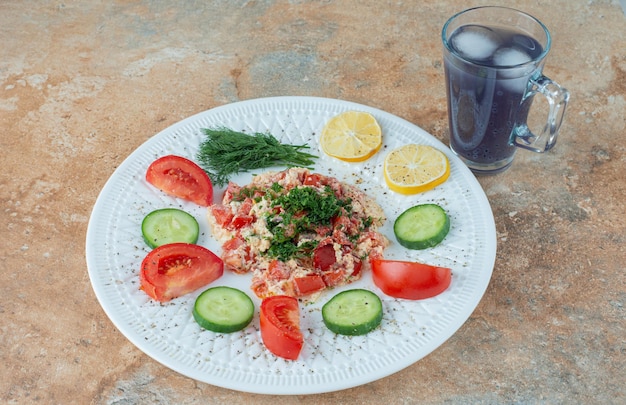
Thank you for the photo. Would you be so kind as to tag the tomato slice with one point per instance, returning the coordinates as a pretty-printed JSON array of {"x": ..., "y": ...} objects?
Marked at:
[
  {"x": 410, "y": 280},
  {"x": 182, "y": 178},
  {"x": 280, "y": 326},
  {"x": 176, "y": 269}
]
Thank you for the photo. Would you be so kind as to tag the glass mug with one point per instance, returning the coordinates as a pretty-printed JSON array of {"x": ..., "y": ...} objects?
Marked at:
[{"x": 493, "y": 62}]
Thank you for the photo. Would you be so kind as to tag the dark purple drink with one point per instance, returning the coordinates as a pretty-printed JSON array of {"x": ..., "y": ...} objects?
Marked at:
[{"x": 487, "y": 75}]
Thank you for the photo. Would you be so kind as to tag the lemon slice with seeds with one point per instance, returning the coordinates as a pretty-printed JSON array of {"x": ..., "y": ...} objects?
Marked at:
[
  {"x": 352, "y": 136},
  {"x": 412, "y": 168}
]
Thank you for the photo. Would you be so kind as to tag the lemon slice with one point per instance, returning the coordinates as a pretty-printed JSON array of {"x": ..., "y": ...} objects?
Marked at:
[
  {"x": 412, "y": 168},
  {"x": 352, "y": 136}
]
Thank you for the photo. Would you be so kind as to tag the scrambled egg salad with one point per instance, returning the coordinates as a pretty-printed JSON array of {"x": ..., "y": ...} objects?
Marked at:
[{"x": 298, "y": 232}]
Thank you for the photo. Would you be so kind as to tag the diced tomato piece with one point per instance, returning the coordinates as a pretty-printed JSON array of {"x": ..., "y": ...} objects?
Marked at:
[
  {"x": 182, "y": 178},
  {"x": 375, "y": 238},
  {"x": 233, "y": 261},
  {"x": 222, "y": 214},
  {"x": 358, "y": 265},
  {"x": 308, "y": 284},
  {"x": 346, "y": 224},
  {"x": 339, "y": 221},
  {"x": 410, "y": 280},
  {"x": 239, "y": 221},
  {"x": 175, "y": 269},
  {"x": 232, "y": 190},
  {"x": 242, "y": 217},
  {"x": 334, "y": 277},
  {"x": 235, "y": 254},
  {"x": 234, "y": 243},
  {"x": 259, "y": 287},
  {"x": 313, "y": 179},
  {"x": 280, "y": 326},
  {"x": 324, "y": 257},
  {"x": 245, "y": 207},
  {"x": 342, "y": 238},
  {"x": 277, "y": 270},
  {"x": 338, "y": 276}
]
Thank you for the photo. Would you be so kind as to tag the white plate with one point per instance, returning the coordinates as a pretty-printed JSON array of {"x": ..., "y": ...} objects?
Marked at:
[{"x": 409, "y": 331}]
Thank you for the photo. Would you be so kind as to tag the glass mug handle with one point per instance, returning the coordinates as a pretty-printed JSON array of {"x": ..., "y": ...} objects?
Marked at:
[{"x": 557, "y": 98}]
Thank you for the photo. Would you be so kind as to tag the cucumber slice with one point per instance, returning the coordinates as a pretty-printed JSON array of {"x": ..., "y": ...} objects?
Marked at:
[
  {"x": 223, "y": 309},
  {"x": 169, "y": 225},
  {"x": 353, "y": 312},
  {"x": 422, "y": 226}
]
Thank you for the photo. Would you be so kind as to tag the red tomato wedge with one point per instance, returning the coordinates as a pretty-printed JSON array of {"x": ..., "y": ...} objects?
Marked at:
[
  {"x": 176, "y": 269},
  {"x": 280, "y": 326},
  {"x": 182, "y": 178},
  {"x": 410, "y": 280}
]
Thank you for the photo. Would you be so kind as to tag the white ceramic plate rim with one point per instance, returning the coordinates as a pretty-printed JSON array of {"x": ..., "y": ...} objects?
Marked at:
[{"x": 410, "y": 330}]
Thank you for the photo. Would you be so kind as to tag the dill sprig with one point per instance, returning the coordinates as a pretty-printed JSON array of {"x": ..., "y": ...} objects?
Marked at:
[{"x": 226, "y": 152}]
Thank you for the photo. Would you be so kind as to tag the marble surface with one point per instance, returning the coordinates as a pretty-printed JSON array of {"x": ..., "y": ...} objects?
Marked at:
[{"x": 84, "y": 83}]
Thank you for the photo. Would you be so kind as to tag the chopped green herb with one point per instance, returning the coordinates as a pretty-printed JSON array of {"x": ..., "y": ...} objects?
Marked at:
[
  {"x": 288, "y": 250},
  {"x": 319, "y": 207},
  {"x": 226, "y": 152},
  {"x": 277, "y": 188},
  {"x": 302, "y": 210}
]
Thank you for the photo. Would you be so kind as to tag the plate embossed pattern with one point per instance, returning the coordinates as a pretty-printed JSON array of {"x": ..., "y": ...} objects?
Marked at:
[{"x": 409, "y": 331}]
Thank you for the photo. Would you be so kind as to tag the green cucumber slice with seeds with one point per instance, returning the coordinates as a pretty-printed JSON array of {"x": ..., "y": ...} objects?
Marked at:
[
  {"x": 169, "y": 225},
  {"x": 223, "y": 309},
  {"x": 422, "y": 226},
  {"x": 353, "y": 312}
]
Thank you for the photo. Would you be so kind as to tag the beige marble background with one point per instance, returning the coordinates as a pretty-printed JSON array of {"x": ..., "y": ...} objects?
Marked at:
[{"x": 84, "y": 83}]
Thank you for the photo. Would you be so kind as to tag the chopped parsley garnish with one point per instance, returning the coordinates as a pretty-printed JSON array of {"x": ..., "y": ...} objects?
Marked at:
[
  {"x": 319, "y": 206},
  {"x": 287, "y": 250},
  {"x": 302, "y": 211}
]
